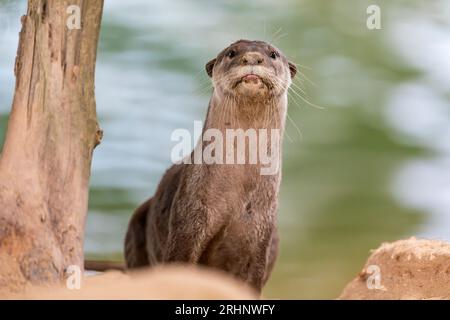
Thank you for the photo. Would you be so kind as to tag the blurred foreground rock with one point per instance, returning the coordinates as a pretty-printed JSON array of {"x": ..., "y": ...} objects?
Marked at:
[
  {"x": 406, "y": 269},
  {"x": 170, "y": 282}
]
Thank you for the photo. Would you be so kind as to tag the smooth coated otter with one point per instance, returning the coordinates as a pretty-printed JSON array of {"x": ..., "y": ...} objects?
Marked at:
[{"x": 222, "y": 215}]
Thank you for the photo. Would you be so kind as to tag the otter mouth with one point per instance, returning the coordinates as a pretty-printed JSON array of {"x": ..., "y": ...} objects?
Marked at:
[{"x": 251, "y": 79}]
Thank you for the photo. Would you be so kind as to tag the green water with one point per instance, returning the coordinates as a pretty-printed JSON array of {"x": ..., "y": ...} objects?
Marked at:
[{"x": 336, "y": 197}]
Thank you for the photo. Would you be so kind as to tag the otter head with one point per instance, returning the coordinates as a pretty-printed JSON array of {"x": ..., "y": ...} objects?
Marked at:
[{"x": 251, "y": 69}]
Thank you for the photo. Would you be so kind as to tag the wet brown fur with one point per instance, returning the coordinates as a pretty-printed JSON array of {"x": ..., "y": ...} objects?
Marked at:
[{"x": 222, "y": 216}]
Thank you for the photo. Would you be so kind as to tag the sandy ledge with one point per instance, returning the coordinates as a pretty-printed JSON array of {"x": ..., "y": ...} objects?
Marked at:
[{"x": 408, "y": 269}]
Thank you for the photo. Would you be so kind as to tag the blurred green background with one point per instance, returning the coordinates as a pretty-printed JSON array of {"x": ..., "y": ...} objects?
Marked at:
[{"x": 371, "y": 166}]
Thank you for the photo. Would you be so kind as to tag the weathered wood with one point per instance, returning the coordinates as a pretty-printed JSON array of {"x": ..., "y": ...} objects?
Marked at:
[{"x": 52, "y": 131}]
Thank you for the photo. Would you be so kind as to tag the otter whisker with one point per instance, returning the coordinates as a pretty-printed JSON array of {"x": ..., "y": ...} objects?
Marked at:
[
  {"x": 295, "y": 125},
  {"x": 281, "y": 36},
  {"x": 278, "y": 35},
  {"x": 307, "y": 79},
  {"x": 203, "y": 89},
  {"x": 226, "y": 76},
  {"x": 199, "y": 73},
  {"x": 275, "y": 34},
  {"x": 295, "y": 101},
  {"x": 301, "y": 66},
  {"x": 264, "y": 26},
  {"x": 307, "y": 101},
  {"x": 295, "y": 86},
  {"x": 299, "y": 88},
  {"x": 287, "y": 135}
]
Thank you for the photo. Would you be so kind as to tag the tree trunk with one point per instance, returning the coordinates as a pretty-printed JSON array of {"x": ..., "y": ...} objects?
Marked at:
[{"x": 52, "y": 131}]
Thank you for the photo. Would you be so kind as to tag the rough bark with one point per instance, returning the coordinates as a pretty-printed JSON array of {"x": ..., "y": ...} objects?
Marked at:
[{"x": 46, "y": 158}]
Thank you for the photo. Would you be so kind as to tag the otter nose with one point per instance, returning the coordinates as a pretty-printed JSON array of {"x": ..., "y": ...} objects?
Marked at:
[{"x": 252, "y": 58}]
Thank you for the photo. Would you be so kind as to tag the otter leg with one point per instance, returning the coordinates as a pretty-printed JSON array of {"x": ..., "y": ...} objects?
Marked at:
[
  {"x": 190, "y": 230},
  {"x": 263, "y": 261},
  {"x": 135, "y": 239},
  {"x": 272, "y": 254}
]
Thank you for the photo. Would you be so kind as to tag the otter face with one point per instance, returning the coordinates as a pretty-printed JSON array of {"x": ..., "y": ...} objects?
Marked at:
[{"x": 253, "y": 69}]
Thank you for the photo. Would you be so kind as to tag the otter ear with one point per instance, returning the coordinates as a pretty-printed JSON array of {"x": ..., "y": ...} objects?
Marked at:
[
  {"x": 292, "y": 69},
  {"x": 209, "y": 67}
]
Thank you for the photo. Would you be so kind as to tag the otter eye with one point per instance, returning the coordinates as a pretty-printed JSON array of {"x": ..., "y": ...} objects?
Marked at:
[
  {"x": 231, "y": 54},
  {"x": 273, "y": 55}
]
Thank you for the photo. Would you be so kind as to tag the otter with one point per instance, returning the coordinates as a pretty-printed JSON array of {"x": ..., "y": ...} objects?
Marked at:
[{"x": 222, "y": 215}]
